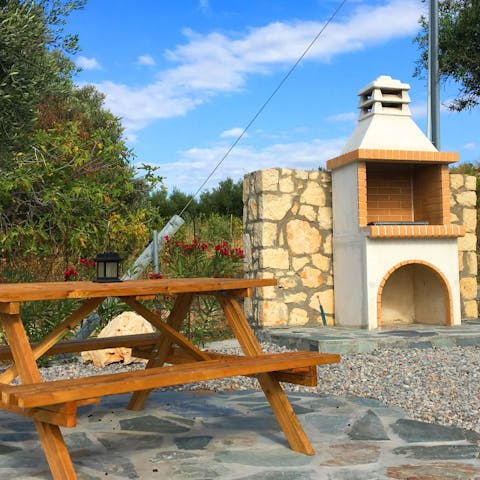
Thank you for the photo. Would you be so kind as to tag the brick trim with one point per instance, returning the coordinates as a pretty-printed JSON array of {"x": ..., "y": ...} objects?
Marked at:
[
  {"x": 362, "y": 194},
  {"x": 379, "y": 155},
  {"x": 446, "y": 288},
  {"x": 414, "y": 231}
]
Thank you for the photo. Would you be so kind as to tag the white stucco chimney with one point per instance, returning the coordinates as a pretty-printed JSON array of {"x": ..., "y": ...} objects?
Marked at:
[{"x": 385, "y": 120}]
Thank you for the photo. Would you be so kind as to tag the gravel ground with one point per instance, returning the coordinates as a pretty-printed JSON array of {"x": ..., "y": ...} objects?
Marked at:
[{"x": 432, "y": 385}]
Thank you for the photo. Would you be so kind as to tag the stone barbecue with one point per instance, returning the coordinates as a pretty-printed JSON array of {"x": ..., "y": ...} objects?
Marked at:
[
  {"x": 388, "y": 249},
  {"x": 395, "y": 250}
]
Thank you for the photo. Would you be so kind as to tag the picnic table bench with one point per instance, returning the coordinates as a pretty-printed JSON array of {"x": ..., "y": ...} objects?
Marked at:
[{"x": 54, "y": 404}]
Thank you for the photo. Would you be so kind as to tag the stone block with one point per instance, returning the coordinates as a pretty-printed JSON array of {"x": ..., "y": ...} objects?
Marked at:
[
  {"x": 470, "y": 308},
  {"x": 314, "y": 194},
  {"x": 273, "y": 313},
  {"x": 286, "y": 185},
  {"x": 298, "y": 317},
  {"x": 325, "y": 218},
  {"x": 470, "y": 219},
  {"x": 311, "y": 277},
  {"x": 456, "y": 181},
  {"x": 295, "y": 298},
  {"x": 299, "y": 262},
  {"x": 470, "y": 182},
  {"x": 327, "y": 246},
  {"x": 127, "y": 323},
  {"x": 325, "y": 298},
  {"x": 289, "y": 282},
  {"x": 301, "y": 174},
  {"x": 275, "y": 207},
  {"x": 467, "y": 199},
  {"x": 302, "y": 237},
  {"x": 269, "y": 180},
  {"x": 265, "y": 234},
  {"x": 252, "y": 209},
  {"x": 276, "y": 258},
  {"x": 468, "y": 288},
  {"x": 467, "y": 243},
  {"x": 322, "y": 262},
  {"x": 470, "y": 264},
  {"x": 308, "y": 212}
]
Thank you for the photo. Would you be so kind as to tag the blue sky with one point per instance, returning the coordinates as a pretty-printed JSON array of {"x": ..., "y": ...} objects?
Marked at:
[{"x": 186, "y": 76}]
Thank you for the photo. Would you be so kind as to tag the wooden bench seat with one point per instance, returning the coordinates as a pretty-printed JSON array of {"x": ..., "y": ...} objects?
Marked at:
[{"x": 72, "y": 390}]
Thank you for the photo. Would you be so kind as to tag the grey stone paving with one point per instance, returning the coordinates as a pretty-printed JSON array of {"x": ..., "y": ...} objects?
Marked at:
[
  {"x": 187, "y": 435},
  {"x": 354, "y": 340}
]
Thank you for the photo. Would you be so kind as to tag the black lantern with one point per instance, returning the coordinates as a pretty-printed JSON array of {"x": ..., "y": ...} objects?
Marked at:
[{"x": 107, "y": 267}]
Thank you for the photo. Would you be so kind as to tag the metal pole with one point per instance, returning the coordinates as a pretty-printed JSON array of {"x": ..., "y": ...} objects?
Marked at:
[
  {"x": 433, "y": 128},
  {"x": 156, "y": 266}
]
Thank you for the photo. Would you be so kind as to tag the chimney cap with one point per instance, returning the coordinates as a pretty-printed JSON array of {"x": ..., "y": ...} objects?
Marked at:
[{"x": 385, "y": 120}]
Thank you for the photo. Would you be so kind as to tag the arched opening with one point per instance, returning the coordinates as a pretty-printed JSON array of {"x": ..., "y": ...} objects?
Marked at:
[{"x": 414, "y": 292}]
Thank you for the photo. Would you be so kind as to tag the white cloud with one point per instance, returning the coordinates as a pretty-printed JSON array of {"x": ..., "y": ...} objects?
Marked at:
[
  {"x": 146, "y": 60},
  {"x": 344, "y": 117},
  {"x": 233, "y": 133},
  {"x": 471, "y": 146},
  {"x": 419, "y": 109},
  {"x": 215, "y": 63},
  {"x": 88, "y": 63},
  {"x": 195, "y": 164}
]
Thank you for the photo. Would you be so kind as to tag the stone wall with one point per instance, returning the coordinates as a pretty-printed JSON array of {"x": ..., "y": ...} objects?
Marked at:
[
  {"x": 288, "y": 236},
  {"x": 463, "y": 211}
]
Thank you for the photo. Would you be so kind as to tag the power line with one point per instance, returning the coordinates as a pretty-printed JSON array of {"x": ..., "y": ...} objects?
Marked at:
[{"x": 262, "y": 108}]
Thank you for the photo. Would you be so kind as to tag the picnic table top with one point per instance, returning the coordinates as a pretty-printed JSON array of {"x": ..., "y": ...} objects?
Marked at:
[{"x": 20, "y": 292}]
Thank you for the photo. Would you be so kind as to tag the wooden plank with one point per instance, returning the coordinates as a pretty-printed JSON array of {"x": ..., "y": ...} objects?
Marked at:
[
  {"x": 55, "y": 335},
  {"x": 147, "y": 340},
  {"x": 162, "y": 348},
  {"x": 50, "y": 435},
  {"x": 20, "y": 292},
  {"x": 271, "y": 387},
  {"x": 10, "y": 308},
  {"x": 306, "y": 376},
  {"x": 61, "y": 391}
]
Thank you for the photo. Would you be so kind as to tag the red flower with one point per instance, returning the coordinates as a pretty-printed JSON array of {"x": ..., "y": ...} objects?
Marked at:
[
  {"x": 218, "y": 248},
  {"x": 84, "y": 261},
  {"x": 204, "y": 246},
  {"x": 70, "y": 273},
  {"x": 155, "y": 276},
  {"x": 91, "y": 263},
  {"x": 167, "y": 238}
]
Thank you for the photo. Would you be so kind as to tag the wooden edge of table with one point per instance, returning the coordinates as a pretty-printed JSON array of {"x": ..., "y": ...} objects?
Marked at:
[
  {"x": 68, "y": 390},
  {"x": 20, "y": 292}
]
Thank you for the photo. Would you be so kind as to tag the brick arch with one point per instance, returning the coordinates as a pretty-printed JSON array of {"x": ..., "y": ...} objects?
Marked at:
[{"x": 446, "y": 288}]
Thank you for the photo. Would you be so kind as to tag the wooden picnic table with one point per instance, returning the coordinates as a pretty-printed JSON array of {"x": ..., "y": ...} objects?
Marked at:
[{"x": 53, "y": 404}]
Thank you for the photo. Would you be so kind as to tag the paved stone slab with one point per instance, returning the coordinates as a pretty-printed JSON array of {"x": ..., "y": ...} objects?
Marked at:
[
  {"x": 369, "y": 427},
  {"x": 435, "y": 471},
  {"x": 416, "y": 431},
  {"x": 439, "y": 452},
  {"x": 150, "y": 423},
  {"x": 184, "y": 435}
]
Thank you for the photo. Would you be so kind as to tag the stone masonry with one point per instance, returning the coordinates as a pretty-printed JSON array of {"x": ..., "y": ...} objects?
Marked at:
[
  {"x": 463, "y": 211},
  {"x": 288, "y": 236}
]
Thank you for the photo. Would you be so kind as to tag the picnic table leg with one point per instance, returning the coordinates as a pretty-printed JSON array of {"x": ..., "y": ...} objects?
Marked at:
[
  {"x": 271, "y": 387},
  {"x": 50, "y": 436},
  {"x": 175, "y": 320}
]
